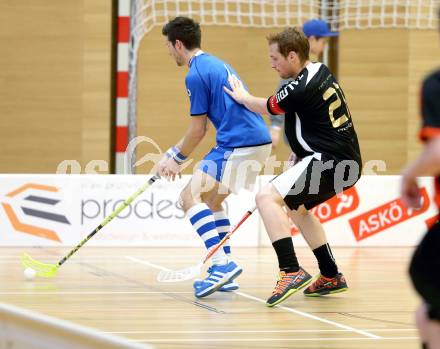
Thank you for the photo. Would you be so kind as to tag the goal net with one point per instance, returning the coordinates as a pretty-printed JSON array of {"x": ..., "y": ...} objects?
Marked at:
[{"x": 340, "y": 14}]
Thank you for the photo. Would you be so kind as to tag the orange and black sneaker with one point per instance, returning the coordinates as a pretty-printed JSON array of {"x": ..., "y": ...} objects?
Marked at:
[
  {"x": 322, "y": 286},
  {"x": 288, "y": 284}
]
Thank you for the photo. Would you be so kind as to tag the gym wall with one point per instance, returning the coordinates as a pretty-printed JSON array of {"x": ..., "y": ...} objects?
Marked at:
[{"x": 55, "y": 85}]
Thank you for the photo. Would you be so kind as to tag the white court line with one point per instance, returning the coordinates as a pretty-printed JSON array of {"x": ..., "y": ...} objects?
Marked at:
[
  {"x": 43, "y": 293},
  {"x": 259, "y": 331},
  {"x": 297, "y": 312},
  {"x": 76, "y": 261},
  {"x": 141, "y": 261},
  {"x": 104, "y": 257},
  {"x": 53, "y": 255},
  {"x": 313, "y": 317},
  {"x": 253, "y": 339}
]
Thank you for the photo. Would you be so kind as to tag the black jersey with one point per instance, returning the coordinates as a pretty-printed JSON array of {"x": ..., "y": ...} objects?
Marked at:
[
  {"x": 317, "y": 116},
  {"x": 430, "y": 110}
]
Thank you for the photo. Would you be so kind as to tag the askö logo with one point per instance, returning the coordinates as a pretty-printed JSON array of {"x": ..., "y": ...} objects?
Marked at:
[
  {"x": 386, "y": 216},
  {"x": 20, "y": 194}
]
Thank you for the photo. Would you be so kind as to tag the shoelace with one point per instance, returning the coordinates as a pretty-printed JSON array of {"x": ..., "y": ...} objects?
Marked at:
[
  {"x": 321, "y": 282},
  {"x": 284, "y": 282}
]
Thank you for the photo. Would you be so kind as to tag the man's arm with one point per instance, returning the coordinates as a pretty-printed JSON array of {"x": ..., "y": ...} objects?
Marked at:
[
  {"x": 276, "y": 125},
  {"x": 170, "y": 164},
  {"x": 426, "y": 164},
  {"x": 194, "y": 134},
  {"x": 277, "y": 121}
]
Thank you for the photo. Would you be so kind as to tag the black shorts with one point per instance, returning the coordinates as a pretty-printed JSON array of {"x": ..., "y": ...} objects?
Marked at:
[
  {"x": 424, "y": 270},
  {"x": 315, "y": 179}
]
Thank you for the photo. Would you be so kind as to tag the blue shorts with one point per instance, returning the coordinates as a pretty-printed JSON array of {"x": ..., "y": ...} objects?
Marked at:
[{"x": 235, "y": 168}]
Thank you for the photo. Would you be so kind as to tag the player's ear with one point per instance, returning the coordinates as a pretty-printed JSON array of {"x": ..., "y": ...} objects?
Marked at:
[
  {"x": 292, "y": 56},
  {"x": 178, "y": 44}
]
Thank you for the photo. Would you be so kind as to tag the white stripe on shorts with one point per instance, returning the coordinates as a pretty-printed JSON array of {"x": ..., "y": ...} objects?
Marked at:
[
  {"x": 286, "y": 180},
  {"x": 243, "y": 166}
]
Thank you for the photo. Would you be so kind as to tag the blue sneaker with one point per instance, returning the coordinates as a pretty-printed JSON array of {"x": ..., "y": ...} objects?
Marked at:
[
  {"x": 219, "y": 275},
  {"x": 227, "y": 287}
]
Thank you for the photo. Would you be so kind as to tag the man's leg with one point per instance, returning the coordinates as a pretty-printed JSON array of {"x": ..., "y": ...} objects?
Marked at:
[
  {"x": 240, "y": 170},
  {"x": 433, "y": 329},
  {"x": 429, "y": 328},
  {"x": 214, "y": 200},
  {"x": 422, "y": 324},
  {"x": 200, "y": 187},
  {"x": 233, "y": 169},
  {"x": 424, "y": 267},
  {"x": 330, "y": 280},
  {"x": 223, "y": 227},
  {"x": 199, "y": 213},
  {"x": 292, "y": 276},
  {"x": 310, "y": 227}
]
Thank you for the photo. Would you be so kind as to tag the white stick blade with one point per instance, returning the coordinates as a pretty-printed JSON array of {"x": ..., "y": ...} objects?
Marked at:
[{"x": 179, "y": 275}]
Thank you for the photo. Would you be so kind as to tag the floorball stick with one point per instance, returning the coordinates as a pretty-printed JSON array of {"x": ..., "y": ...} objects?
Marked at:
[{"x": 50, "y": 270}]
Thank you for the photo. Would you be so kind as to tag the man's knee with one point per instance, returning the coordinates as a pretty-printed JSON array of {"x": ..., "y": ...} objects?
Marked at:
[
  {"x": 186, "y": 199},
  {"x": 266, "y": 195},
  {"x": 302, "y": 212},
  {"x": 214, "y": 202},
  {"x": 298, "y": 215}
]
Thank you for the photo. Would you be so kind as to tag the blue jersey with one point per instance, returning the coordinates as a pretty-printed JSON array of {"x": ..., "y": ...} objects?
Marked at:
[{"x": 236, "y": 125}]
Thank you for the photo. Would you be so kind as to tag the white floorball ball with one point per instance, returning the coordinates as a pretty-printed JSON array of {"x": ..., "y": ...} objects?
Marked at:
[{"x": 29, "y": 274}]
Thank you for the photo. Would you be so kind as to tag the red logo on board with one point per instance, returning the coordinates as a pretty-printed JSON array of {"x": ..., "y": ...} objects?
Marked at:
[{"x": 385, "y": 216}]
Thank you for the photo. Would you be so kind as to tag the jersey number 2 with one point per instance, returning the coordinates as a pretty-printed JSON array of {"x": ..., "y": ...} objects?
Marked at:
[{"x": 336, "y": 90}]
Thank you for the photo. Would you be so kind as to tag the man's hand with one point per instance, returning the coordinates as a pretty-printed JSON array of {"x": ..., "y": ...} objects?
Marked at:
[
  {"x": 409, "y": 191},
  {"x": 237, "y": 92},
  {"x": 292, "y": 160},
  {"x": 169, "y": 169}
]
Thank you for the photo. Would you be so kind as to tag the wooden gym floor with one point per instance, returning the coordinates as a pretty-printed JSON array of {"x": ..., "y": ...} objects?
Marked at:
[{"x": 115, "y": 290}]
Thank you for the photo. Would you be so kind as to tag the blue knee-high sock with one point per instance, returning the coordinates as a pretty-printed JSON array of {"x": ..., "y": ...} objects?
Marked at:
[
  {"x": 203, "y": 221},
  {"x": 223, "y": 225}
]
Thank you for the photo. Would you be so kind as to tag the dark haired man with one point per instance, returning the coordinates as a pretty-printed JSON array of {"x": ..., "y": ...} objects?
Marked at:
[
  {"x": 321, "y": 134},
  {"x": 243, "y": 145}
]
